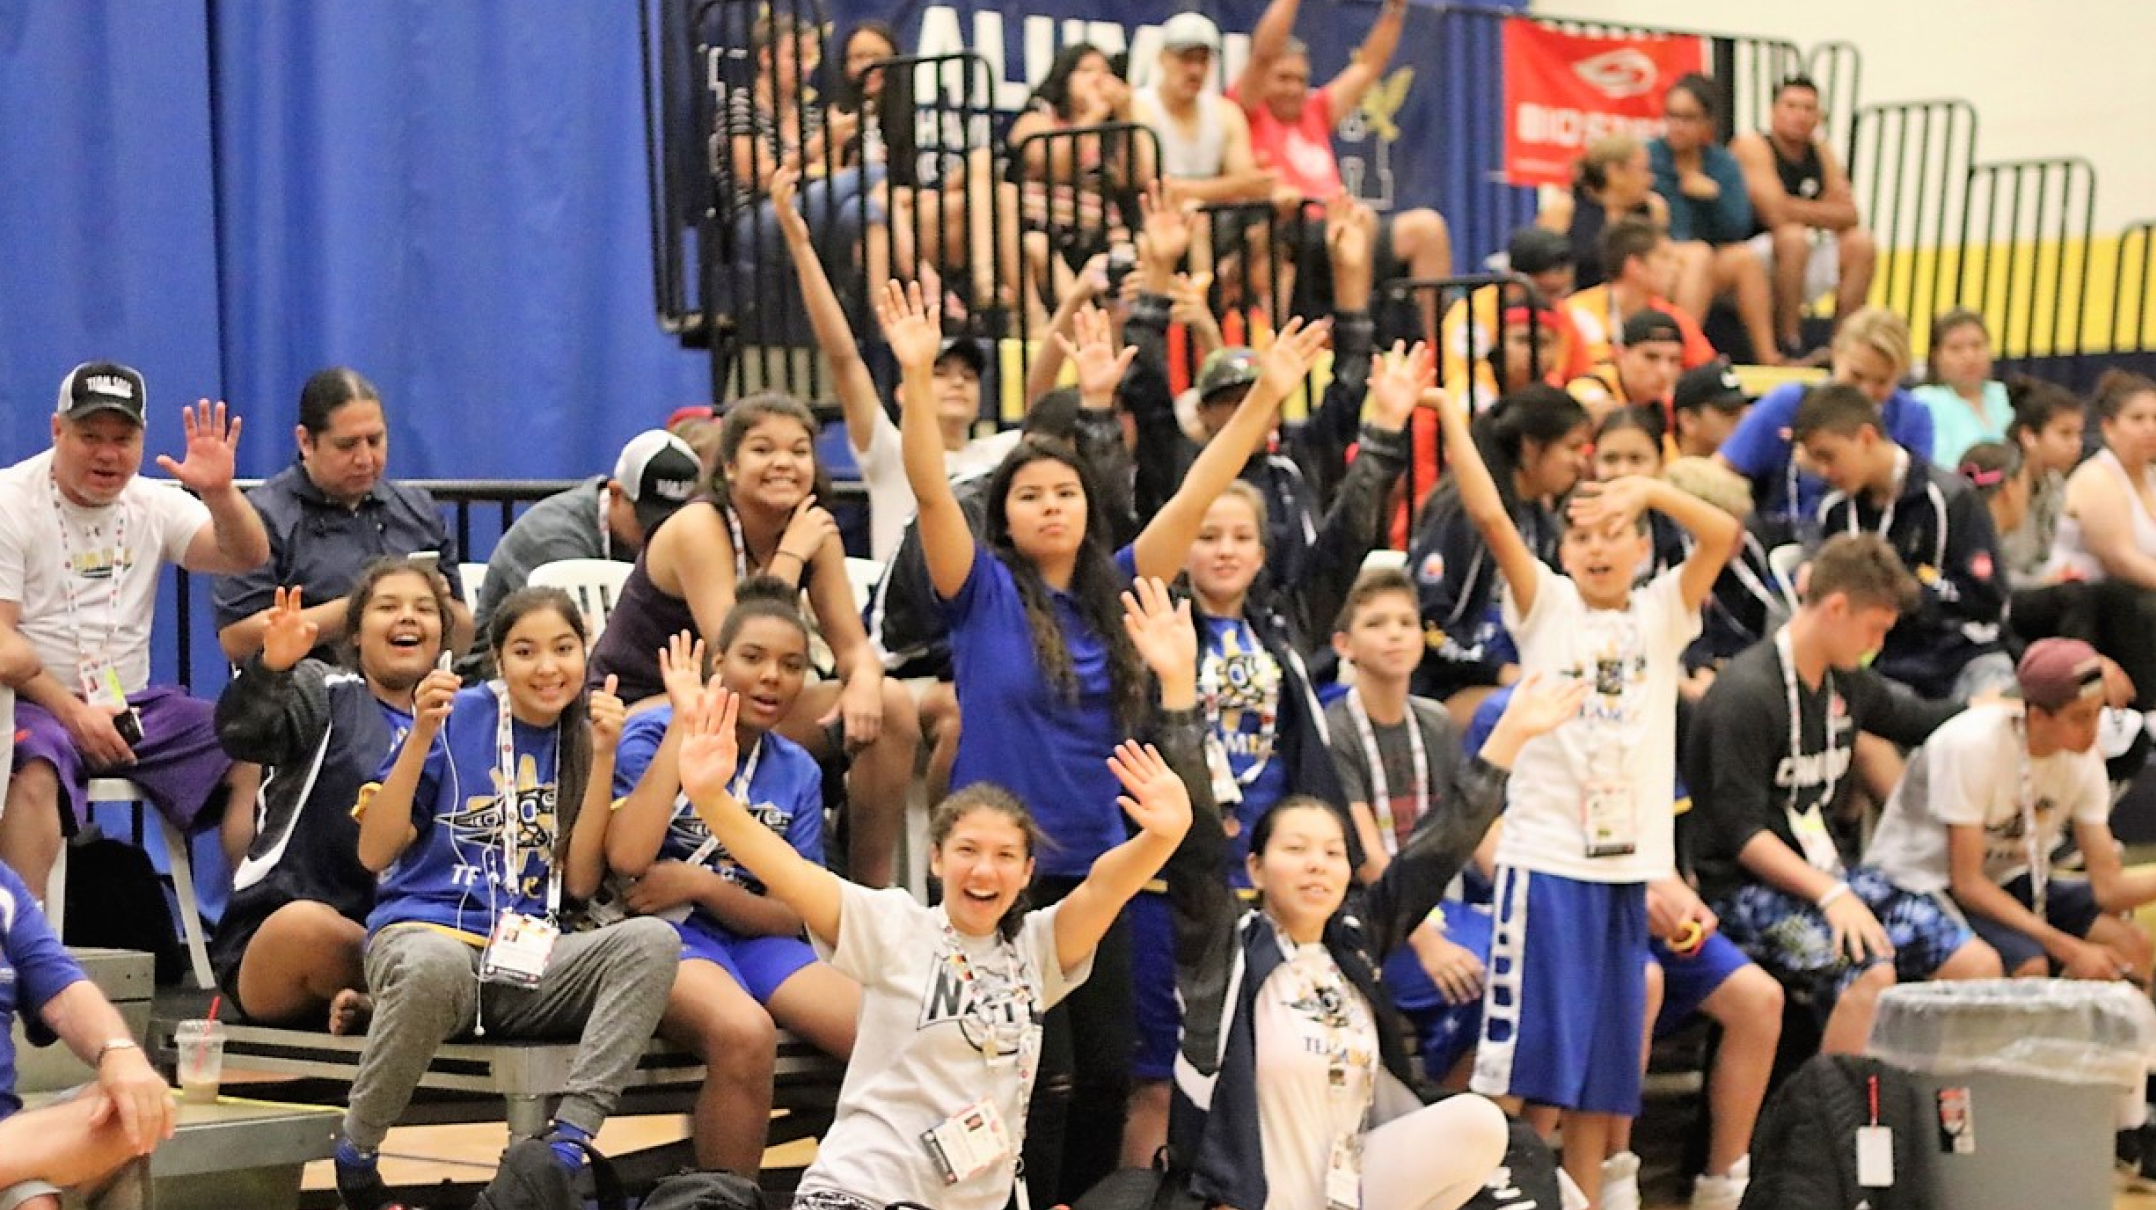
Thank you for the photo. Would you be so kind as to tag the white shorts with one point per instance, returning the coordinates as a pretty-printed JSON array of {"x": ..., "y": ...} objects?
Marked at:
[{"x": 1822, "y": 270}]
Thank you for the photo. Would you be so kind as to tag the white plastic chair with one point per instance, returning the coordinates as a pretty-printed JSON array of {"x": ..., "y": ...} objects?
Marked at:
[
  {"x": 471, "y": 577},
  {"x": 595, "y": 584},
  {"x": 1783, "y": 561},
  {"x": 177, "y": 860}
]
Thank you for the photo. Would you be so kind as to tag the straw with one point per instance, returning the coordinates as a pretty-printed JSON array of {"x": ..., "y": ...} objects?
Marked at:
[{"x": 217, "y": 1001}]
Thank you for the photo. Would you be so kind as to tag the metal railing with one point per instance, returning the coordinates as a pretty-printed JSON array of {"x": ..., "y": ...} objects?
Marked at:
[
  {"x": 2133, "y": 279},
  {"x": 1440, "y": 296},
  {"x": 1910, "y": 162},
  {"x": 2030, "y": 222}
]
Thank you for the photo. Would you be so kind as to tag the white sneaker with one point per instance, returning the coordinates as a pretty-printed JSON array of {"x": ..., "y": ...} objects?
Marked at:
[
  {"x": 1723, "y": 1192},
  {"x": 1620, "y": 1182}
]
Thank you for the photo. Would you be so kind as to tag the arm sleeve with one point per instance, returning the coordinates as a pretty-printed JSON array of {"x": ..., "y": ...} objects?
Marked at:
[
  {"x": 1454, "y": 590},
  {"x": 179, "y": 518},
  {"x": 1903, "y": 717},
  {"x": 1349, "y": 528},
  {"x": 1147, "y": 397},
  {"x": 1321, "y": 443},
  {"x": 1439, "y": 848},
  {"x": 1914, "y": 427},
  {"x": 1975, "y": 565},
  {"x": 252, "y": 591},
  {"x": 1733, "y": 790},
  {"x": 639, "y": 742},
  {"x": 14, "y": 547},
  {"x": 1732, "y": 211},
  {"x": 1202, "y": 907},
  {"x": 873, "y": 929},
  {"x": 270, "y": 718},
  {"x": 1759, "y": 445},
  {"x": 43, "y": 968},
  {"x": 1350, "y": 762},
  {"x": 1100, "y": 444},
  {"x": 805, "y": 830},
  {"x": 1957, "y": 782}
]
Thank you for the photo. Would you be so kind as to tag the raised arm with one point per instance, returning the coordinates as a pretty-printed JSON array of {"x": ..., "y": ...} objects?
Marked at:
[
  {"x": 1715, "y": 533},
  {"x": 234, "y": 540},
  {"x": 275, "y": 709},
  {"x": 586, "y": 866},
  {"x": 1363, "y": 70},
  {"x": 639, "y": 825},
  {"x": 385, "y": 814},
  {"x": 1268, "y": 41},
  {"x": 1484, "y": 506},
  {"x": 946, "y": 539},
  {"x": 834, "y": 336},
  {"x": 709, "y": 751},
  {"x": 1165, "y": 541}
]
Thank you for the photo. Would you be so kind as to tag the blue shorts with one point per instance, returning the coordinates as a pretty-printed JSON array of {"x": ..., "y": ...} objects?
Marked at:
[
  {"x": 2069, "y": 906},
  {"x": 1688, "y": 980},
  {"x": 1445, "y": 1031},
  {"x": 1158, "y": 1018},
  {"x": 1791, "y": 938},
  {"x": 1565, "y": 997},
  {"x": 758, "y": 964}
]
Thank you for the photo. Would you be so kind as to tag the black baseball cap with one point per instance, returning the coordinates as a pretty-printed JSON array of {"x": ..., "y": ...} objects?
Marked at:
[
  {"x": 968, "y": 351},
  {"x": 1713, "y": 385},
  {"x": 102, "y": 386},
  {"x": 1649, "y": 325},
  {"x": 1538, "y": 250}
]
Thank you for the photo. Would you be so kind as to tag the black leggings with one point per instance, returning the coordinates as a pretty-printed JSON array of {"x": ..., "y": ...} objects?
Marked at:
[{"x": 1074, "y": 1125}]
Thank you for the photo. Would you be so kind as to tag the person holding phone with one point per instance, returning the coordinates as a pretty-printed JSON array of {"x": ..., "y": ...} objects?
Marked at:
[{"x": 330, "y": 514}]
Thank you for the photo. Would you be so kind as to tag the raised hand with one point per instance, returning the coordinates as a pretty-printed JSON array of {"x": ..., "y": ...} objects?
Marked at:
[
  {"x": 1541, "y": 703},
  {"x": 1100, "y": 364},
  {"x": 289, "y": 636},
  {"x": 1167, "y": 224},
  {"x": 909, "y": 327},
  {"x": 212, "y": 445},
  {"x": 681, "y": 670},
  {"x": 433, "y": 700},
  {"x": 785, "y": 184},
  {"x": 606, "y": 713},
  {"x": 1350, "y": 229},
  {"x": 1402, "y": 376},
  {"x": 710, "y": 749},
  {"x": 1156, "y": 799},
  {"x": 1611, "y": 502},
  {"x": 1160, "y": 628},
  {"x": 1288, "y": 362}
]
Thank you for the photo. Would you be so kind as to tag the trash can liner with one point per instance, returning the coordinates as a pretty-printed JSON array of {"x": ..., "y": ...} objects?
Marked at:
[{"x": 2068, "y": 1031}]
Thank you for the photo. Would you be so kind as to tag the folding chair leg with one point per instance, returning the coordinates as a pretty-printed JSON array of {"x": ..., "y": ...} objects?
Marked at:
[
  {"x": 183, "y": 887},
  {"x": 56, "y": 894}
]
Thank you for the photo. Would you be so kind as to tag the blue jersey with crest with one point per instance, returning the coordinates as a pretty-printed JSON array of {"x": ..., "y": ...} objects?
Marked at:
[
  {"x": 477, "y": 851},
  {"x": 785, "y": 793}
]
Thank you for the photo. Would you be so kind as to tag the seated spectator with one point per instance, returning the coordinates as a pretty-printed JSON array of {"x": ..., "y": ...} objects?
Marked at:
[
  {"x": 1949, "y": 644},
  {"x": 329, "y": 515},
  {"x": 943, "y": 988},
  {"x": 1070, "y": 190},
  {"x": 744, "y": 968},
  {"x": 1485, "y": 339},
  {"x": 1642, "y": 266},
  {"x": 1641, "y": 370},
  {"x": 1296, "y": 966},
  {"x": 287, "y": 950},
  {"x": 1704, "y": 187},
  {"x": 1967, "y": 404},
  {"x": 1986, "y": 801},
  {"x": 882, "y": 100},
  {"x": 1770, "y": 745},
  {"x": 604, "y": 517},
  {"x": 2001, "y": 480},
  {"x": 1612, "y": 181},
  {"x": 1535, "y": 443},
  {"x": 763, "y": 518},
  {"x": 1747, "y": 598},
  {"x": 1871, "y": 353},
  {"x": 83, "y": 541},
  {"x": 76, "y": 1145},
  {"x": 1205, "y": 150},
  {"x": 1807, "y": 226},
  {"x": 2107, "y": 532},
  {"x": 483, "y": 832},
  {"x": 869, "y": 431},
  {"x": 770, "y": 124},
  {"x": 1705, "y": 407},
  {"x": 1291, "y": 133},
  {"x": 2047, "y": 428}
]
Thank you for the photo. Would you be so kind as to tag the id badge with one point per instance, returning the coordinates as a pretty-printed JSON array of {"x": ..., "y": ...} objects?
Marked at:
[
  {"x": 1816, "y": 841},
  {"x": 969, "y": 1142},
  {"x": 101, "y": 687},
  {"x": 1608, "y": 816},
  {"x": 1343, "y": 1176},
  {"x": 1226, "y": 790},
  {"x": 517, "y": 953}
]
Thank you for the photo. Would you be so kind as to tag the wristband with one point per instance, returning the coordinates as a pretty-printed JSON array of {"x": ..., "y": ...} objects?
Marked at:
[
  {"x": 1833, "y": 893},
  {"x": 110, "y": 1045}
]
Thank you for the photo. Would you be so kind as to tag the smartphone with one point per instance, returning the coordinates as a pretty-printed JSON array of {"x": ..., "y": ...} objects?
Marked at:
[
  {"x": 429, "y": 560},
  {"x": 129, "y": 724}
]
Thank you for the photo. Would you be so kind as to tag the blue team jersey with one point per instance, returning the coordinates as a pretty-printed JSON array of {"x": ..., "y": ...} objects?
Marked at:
[
  {"x": 785, "y": 793},
  {"x": 33, "y": 969},
  {"x": 477, "y": 851}
]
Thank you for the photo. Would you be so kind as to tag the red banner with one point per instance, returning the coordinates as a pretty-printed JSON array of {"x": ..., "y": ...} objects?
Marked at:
[{"x": 1563, "y": 91}]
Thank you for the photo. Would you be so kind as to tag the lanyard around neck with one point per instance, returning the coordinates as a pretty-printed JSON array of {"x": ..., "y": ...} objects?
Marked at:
[
  {"x": 1784, "y": 648},
  {"x": 1380, "y": 790},
  {"x": 69, "y": 572},
  {"x": 505, "y": 770}
]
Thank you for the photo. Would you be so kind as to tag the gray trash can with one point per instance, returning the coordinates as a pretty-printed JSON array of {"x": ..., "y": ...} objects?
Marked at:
[{"x": 2024, "y": 1082}]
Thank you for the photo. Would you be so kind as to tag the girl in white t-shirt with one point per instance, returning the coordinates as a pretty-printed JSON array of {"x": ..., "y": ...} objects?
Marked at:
[{"x": 933, "y": 1106}]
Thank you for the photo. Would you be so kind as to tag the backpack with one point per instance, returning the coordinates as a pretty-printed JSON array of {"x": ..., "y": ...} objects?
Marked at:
[
  {"x": 704, "y": 1191},
  {"x": 1804, "y": 1152},
  {"x": 530, "y": 1177},
  {"x": 115, "y": 900}
]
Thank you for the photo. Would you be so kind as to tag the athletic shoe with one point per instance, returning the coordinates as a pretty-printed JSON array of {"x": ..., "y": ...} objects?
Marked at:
[
  {"x": 1620, "y": 1182},
  {"x": 1723, "y": 1192}
]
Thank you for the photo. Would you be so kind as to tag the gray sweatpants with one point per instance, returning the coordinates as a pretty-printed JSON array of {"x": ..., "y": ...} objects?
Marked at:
[{"x": 605, "y": 988}]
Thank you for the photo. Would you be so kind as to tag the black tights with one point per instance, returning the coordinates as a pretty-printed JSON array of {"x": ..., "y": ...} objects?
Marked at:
[{"x": 1074, "y": 1125}]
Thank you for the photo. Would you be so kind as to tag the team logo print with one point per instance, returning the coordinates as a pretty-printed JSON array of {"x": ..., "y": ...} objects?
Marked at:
[
  {"x": 992, "y": 1010},
  {"x": 1432, "y": 569},
  {"x": 1980, "y": 565},
  {"x": 1626, "y": 72},
  {"x": 525, "y": 814}
]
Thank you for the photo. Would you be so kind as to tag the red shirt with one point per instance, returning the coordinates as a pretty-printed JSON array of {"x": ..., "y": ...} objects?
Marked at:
[{"x": 1302, "y": 154}]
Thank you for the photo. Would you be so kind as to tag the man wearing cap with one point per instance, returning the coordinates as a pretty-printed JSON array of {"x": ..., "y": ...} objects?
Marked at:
[
  {"x": 1205, "y": 152},
  {"x": 1705, "y": 409},
  {"x": 601, "y": 518},
  {"x": 1641, "y": 370},
  {"x": 1985, "y": 802},
  {"x": 331, "y": 513},
  {"x": 959, "y": 369},
  {"x": 83, "y": 539},
  {"x": 1642, "y": 266}
]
